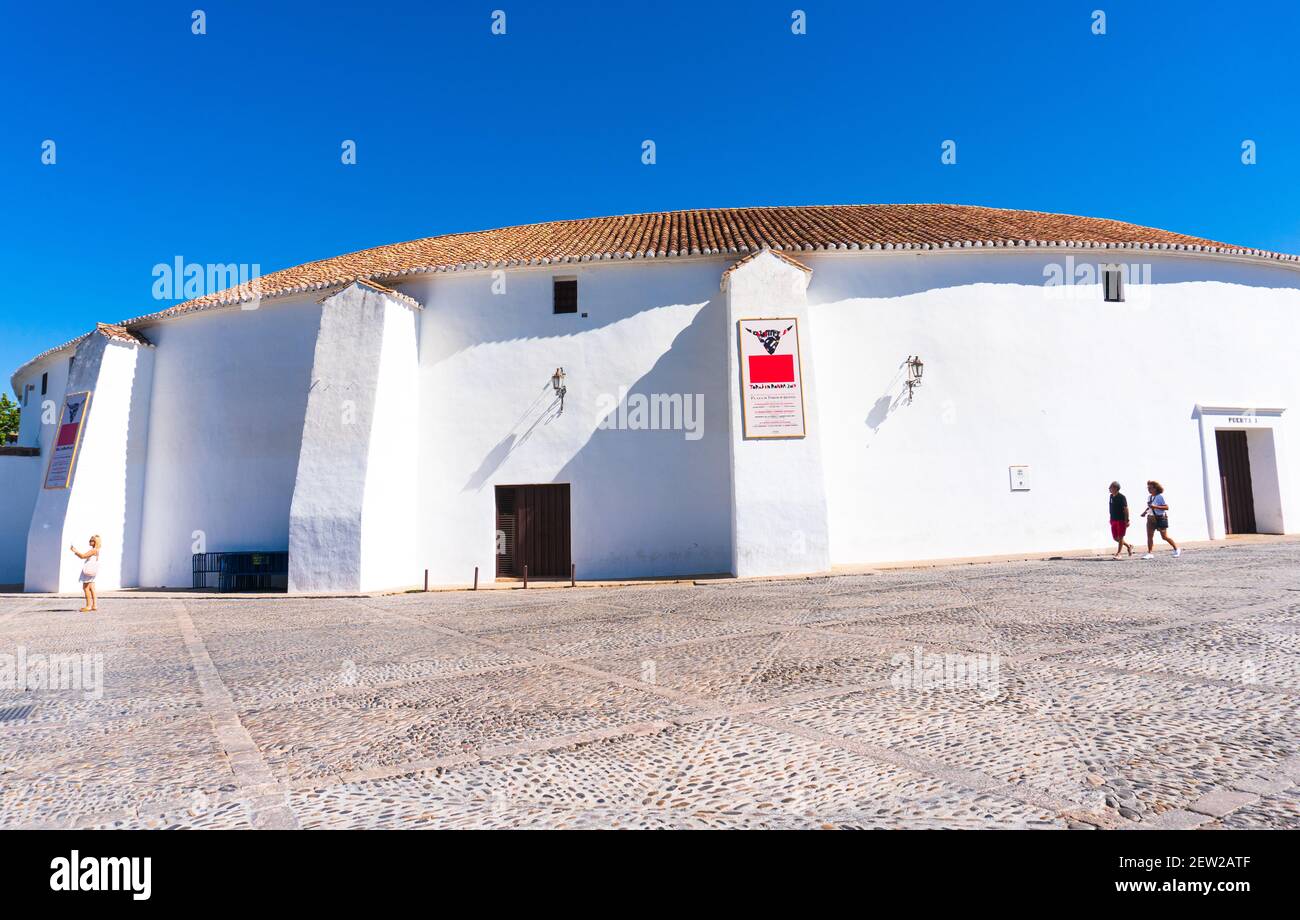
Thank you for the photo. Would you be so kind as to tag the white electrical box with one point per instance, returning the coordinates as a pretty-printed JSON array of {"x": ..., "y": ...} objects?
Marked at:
[{"x": 1019, "y": 478}]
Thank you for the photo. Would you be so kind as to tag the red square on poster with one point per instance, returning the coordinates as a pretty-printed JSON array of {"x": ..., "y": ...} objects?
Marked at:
[{"x": 771, "y": 368}]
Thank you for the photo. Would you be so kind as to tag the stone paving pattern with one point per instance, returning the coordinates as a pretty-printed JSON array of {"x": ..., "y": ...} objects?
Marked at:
[{"x": 1128, "y": 694}]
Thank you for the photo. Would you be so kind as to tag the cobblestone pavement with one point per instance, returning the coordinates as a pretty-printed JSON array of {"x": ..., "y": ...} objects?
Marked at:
[{"x": 1123, "y": 694}]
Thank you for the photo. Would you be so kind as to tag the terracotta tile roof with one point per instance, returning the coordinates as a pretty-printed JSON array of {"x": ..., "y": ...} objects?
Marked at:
[
  {"x": 122, "y": 334},
  {"x": 721, "y": 231}
]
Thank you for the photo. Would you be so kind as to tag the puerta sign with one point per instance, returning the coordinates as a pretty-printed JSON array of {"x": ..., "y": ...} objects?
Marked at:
[
  {"x": 63, "y": 453},
  {"x": 771, "y": 378}
]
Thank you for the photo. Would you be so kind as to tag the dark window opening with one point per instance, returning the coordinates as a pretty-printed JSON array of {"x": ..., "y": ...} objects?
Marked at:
[
  {"x": 45, "y": 383},
  {"x": 1113, "y": 281},
  {"x": 566, "y": 295}
]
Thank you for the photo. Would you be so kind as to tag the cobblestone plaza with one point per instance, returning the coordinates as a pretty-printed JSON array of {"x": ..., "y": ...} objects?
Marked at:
[{"x": 1071, "y": 693}]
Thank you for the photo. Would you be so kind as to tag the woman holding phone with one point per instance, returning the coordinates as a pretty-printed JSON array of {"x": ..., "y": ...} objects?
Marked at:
[{"x": 89, "y": 569}]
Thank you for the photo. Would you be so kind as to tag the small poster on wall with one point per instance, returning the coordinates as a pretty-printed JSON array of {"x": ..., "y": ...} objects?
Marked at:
[
  {"x": 63, "y": 454},
  {"x": 771, "y": 378}
]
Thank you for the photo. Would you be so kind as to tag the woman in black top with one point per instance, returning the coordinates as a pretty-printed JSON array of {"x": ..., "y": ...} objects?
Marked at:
[{"x": 1119, "y": 519}]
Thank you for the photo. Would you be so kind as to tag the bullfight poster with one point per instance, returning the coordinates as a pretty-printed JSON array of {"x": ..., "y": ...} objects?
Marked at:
[
  {"x": 771, "y": 378},
  {"x": 63, "y": 454}
]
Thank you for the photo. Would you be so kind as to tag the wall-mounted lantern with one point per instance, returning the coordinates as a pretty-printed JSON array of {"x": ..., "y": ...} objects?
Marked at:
[
  {"x": 557, "y": 384},
  {"x": 915, "y": 371}
]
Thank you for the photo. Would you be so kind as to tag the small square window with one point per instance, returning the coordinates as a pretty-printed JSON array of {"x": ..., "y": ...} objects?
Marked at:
[
  {"x": 45, "y": 383},
  {"x": 1113, "y": 283},
  {"x": 566, "y": 295}
]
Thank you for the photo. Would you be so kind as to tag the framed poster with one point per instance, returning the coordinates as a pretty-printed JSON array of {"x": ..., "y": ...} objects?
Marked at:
[
  {"x": 63, "y": 453},
  {"x": 771, "y": 378}
]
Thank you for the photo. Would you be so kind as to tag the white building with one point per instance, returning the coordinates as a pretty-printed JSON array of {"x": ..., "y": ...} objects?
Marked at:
[{"x": 391, "y": 411}]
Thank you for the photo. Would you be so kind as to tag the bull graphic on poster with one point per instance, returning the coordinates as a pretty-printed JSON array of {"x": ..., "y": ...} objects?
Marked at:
[{"x": 770, "y": 338}]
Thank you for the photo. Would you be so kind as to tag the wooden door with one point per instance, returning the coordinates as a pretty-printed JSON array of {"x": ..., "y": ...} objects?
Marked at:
[
  {"x": 536, "y": 530},
  {"x": 1234, "y": 477}
]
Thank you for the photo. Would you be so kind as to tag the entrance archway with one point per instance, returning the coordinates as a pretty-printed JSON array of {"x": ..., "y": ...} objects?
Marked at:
[{"x": 1243, "y": 487}]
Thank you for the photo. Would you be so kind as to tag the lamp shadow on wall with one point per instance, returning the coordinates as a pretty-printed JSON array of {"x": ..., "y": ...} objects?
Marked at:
[
  {"x": 516, "y": 438},
  {"x": 893, "y": 396}
]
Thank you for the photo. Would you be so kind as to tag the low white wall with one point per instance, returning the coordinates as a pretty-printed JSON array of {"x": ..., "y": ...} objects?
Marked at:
[
  {"x": 229, "y": 396},
  {"x": 1080, "y": 390},
  {"x": 20, "y": 480},
  {"x": 20, "y": 477}
]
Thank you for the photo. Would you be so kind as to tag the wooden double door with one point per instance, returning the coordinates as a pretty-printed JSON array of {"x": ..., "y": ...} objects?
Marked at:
[{"x": 533, "y": 530}]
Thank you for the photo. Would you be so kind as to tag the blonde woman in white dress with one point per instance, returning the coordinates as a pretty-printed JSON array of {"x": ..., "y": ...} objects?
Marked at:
[{"x": 89, "y": 569}]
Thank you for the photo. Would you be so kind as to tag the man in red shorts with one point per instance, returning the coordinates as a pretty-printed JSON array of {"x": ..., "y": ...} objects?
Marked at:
[{"x": 1119, "y": 519}]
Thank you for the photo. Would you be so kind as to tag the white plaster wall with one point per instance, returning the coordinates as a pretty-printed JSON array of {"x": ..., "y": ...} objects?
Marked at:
[
  {"x": 643, "y": 502},
  {"x": 33, "y": 430},
  {"x": 329, "y": 487},
  {"x": 779, "y": 515},
  {"x": 352, "y": 518},
  {"x": 1081, "y": 390},
  {"x": 104, "y": 497},
  {"x": 229, "y": 396},
  {"x": 20, "y": 478},
  {"x": 390, "y": 516},
  {"x": 136, "y": 458},
  {"x": 1070, "y": 385},
  {"x": 1261, "y": 446}
]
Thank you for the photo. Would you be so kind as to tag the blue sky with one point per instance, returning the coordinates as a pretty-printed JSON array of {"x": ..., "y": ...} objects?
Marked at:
[{"x": 225, "y": 147}]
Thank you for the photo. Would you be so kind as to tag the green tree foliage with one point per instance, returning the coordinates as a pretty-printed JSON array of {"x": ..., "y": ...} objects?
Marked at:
[{"x": 9, "y": 411}]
